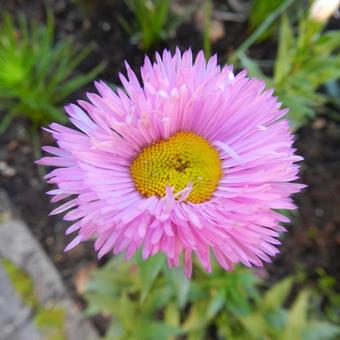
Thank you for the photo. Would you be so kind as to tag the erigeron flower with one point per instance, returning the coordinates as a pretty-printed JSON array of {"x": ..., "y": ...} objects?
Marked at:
[{"x": 191, "y": 160}]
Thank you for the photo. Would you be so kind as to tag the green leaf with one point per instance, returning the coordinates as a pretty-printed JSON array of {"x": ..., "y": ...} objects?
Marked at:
[
  {"x": 51, "y": 322},
  {"x": 21, "y": 281},
  {"x": 196, "y": 320},
  {"x": 284, "y": 58},
  {"x": 252, "y": 67},
  {"x": 6, "y": 121},
  {"x": 255, "y": 325},
  {"x": 297, "y": 317},
  {"x": 277, "y": 318},
  {"x": 265, "y": 24},
  {"x": 309, "y": 33},
  {"x": 181, "y": 285},
  {"x": 216, "y": 304},
  {"x": 259, "y": 12},
  {"x": 115, "y": 331},
  {"x": 322, "y": 69},
  {"x": 71, "y": 85},
  {"x": 156, "y": 330},
  {"x": 327, "y": 43},
  {"x": 149, "y": 272},
  {"x": 320, "y": 330},
  {"x": 172, "y": 314},
  {"x": 276, "y": 295},
  {"x": 157, "y": 298}
]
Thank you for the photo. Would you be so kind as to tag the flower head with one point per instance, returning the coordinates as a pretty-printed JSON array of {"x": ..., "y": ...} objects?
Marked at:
[{"x": 195, "y": 160}]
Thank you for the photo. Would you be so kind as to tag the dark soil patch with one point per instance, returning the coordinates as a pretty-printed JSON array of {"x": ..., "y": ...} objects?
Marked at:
[
  {"x": 313, "y": 240},
  {"x": 20, "y": 177}
]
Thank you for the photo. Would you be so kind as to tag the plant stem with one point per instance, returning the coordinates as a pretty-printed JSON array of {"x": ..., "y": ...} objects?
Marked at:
[{"x": 207, "y": 9}]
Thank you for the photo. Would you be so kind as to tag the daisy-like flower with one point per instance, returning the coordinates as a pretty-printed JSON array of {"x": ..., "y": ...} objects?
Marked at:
[{"x": 193, "y": 160}]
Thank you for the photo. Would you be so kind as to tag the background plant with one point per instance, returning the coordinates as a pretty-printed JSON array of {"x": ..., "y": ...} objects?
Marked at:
[
  {"x": 152, "y": 21},
  {"x": 37, "y": 74},
  {"x": 306, "y": 60},
  {"x": 260, "y": 10},
  {"x": 147, "y": 301}
]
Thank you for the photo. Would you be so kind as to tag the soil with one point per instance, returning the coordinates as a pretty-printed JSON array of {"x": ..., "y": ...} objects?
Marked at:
[{"x": 311, "y": 240}]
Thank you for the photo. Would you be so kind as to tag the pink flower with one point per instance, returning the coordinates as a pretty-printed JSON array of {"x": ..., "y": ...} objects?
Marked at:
[{"x": 196, "y": 160}]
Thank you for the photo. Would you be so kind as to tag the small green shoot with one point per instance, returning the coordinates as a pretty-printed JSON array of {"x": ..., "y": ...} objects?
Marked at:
[
  {"x": 307, "y": 59},
  {"x": 37, "y": 74},
  {"x": 207, "y": 11},
  {"x": 260, "y": 10},
  {"x": 152, "y": 21}
]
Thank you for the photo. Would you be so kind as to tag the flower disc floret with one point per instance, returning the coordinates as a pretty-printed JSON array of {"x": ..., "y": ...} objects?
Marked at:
[{"x": 183, "y": 159}]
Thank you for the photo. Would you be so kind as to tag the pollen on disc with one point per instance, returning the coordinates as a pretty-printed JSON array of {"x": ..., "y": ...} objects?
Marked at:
[{"x": 182, "y": 159}]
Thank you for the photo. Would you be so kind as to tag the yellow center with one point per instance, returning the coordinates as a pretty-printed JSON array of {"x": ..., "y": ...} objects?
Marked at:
[{"x": 182, "y": 159}]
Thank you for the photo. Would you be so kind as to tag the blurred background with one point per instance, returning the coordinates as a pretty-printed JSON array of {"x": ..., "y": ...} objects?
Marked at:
[{"x": 50, "y": 52}]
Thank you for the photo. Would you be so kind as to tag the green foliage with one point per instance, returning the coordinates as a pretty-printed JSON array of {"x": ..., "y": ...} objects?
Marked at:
[
  {"x": 327, "y": 286},
  {"x": 49, "y": 319},
  {"x": 260, "y": 31},
  {"x": 147, "y": 301},
  {"x": 304, "y": 62},
  {"x": 37, "y": 75},
  {"x": 21, "y": 282},
  {"x": 152, "y": 21},
  {"x": 133, "y": 295},
  {"x": 272, "y": 321},
  {"x": 260, "y": 10},
  {"x": 51, "y": 322}
]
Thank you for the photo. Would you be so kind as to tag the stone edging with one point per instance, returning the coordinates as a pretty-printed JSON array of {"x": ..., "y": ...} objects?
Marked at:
[{"x": 18, "y": 245}]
